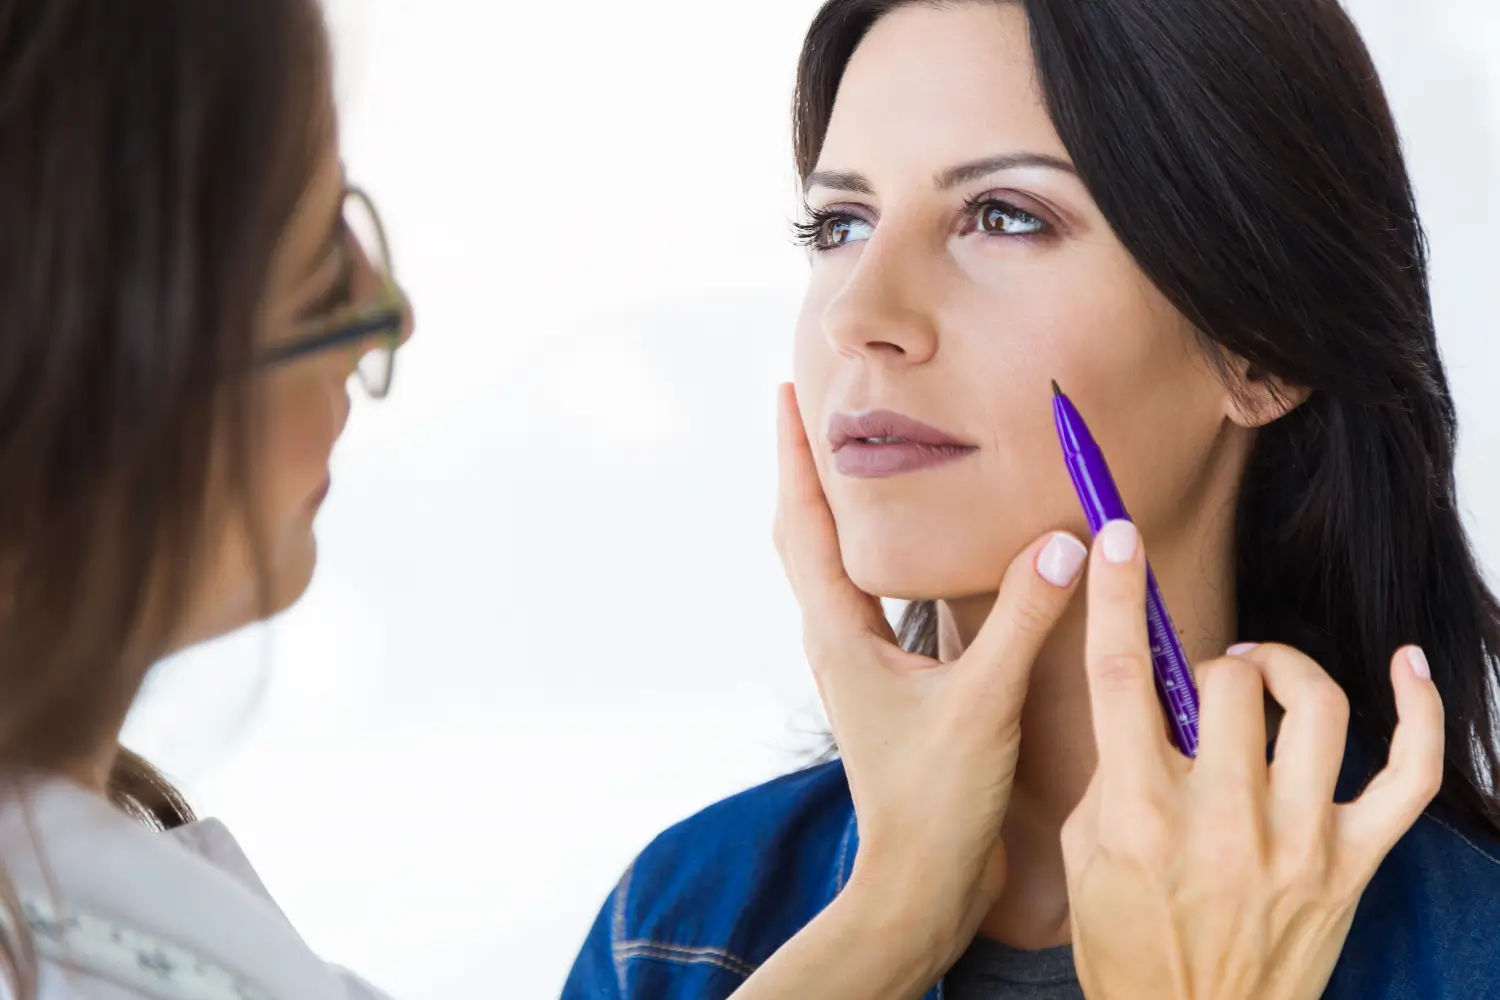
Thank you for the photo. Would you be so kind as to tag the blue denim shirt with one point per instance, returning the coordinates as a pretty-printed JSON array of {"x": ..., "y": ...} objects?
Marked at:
[{"x": 715, "y": 896}]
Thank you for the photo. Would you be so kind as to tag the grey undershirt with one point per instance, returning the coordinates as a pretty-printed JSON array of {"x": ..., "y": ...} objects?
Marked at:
[{"x": 990, "y": 970}]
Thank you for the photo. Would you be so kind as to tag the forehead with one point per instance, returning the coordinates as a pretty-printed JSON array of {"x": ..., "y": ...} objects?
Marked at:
[{"x": 930, "y": 86}]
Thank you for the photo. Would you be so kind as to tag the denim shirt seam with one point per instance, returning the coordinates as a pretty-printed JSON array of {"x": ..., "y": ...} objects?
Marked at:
[
  {"x": 617, "y": 926},
  {"x": 1463, "y": 837},
  {"x": 663, "y": 951},
  {"x": 839, "y": 875}
]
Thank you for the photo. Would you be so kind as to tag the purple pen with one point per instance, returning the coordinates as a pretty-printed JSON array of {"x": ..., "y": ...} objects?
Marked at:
[{"x": 1102, "y": 504}]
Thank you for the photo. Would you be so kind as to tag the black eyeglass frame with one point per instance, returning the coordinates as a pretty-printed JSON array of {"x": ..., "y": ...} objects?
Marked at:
[{"x": 381, "y": 320}]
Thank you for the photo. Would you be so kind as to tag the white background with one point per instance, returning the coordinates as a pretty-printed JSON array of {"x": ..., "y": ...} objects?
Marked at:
[{"x": 548, "y": 620}]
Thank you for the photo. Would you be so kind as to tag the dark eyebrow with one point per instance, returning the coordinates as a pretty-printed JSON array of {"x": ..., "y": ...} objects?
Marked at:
[
  {"x": 952, "y": 177},
  {"x": 964, "y": 173},
  {"x": 836, "y": 180}
]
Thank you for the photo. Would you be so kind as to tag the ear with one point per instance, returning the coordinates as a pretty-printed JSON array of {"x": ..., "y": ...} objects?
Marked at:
[{"x": 1256, "y": 398}]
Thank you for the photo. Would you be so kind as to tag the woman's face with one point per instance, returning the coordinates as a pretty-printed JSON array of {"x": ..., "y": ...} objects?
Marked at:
[
  {"x": 303, "y": 405},
  {"x": 960, "y": 267}
]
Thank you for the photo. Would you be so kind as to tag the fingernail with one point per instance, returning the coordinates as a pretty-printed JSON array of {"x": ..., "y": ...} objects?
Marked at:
[
  {"x": 1419, "y": 664},
  {"x": 1060, "y": 560},
  {"x": 1119, "y": 539},
  {"x": 1240, "y": 648}
]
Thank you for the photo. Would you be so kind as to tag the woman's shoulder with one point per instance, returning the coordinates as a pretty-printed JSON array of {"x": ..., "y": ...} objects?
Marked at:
[
  {"x": 1426, "y": 925},
  {"x": 783, "y": 835},
  {"x": 797, "y": 811},
  {"x": 118, "y": 910},
  {"x": 713, "y": 896}
]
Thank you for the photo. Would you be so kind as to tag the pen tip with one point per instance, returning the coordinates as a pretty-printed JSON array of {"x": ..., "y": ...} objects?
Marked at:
[{"x": 1056, "y": 390}]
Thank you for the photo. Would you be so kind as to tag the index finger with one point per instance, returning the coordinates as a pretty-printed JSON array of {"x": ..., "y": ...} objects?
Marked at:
[
  {"x": 807, "y": 538},
  {"x": 1128, "y": 726}
]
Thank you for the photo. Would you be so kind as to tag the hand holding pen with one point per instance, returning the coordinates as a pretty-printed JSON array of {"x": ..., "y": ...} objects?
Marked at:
[{"x": 1224, "y": 876}]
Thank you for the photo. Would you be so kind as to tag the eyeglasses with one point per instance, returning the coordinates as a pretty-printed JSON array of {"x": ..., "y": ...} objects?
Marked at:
[{"x": 377, "y": 324}]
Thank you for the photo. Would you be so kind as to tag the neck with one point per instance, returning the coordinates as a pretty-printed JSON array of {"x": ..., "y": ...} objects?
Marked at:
[
  {"x": 1194, "y": 568},
  {"x": 93, "y": 773}
]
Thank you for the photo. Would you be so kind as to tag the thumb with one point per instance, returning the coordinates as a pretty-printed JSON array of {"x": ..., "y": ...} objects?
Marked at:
[
  {"x": 1035, "y": 592},
  {"x": 835, "y": 612}
]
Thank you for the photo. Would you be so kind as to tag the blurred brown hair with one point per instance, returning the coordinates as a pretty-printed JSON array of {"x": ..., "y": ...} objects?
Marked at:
[{"x": 153, "y": 153}]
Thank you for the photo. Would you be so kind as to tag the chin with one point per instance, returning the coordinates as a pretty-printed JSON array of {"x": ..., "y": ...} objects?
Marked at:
[
  {"x": 923, "y": 565},
  {"x": 292, "y": 575}
]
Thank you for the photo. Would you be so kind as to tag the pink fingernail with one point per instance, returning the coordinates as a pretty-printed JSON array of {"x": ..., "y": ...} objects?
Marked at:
[
  {"x": 1119, "y": 539},
  {"x": 1240, "y": 649},
  {"x": 1060, "y": 560},
  {"x": 1419, "y": 664}
]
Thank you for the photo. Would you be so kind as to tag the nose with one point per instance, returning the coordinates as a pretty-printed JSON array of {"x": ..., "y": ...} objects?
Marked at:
[
  {"x": 368, "y": 284},
  {"x": 886, "y": 310},
  {"x": 408, "y": 318}
]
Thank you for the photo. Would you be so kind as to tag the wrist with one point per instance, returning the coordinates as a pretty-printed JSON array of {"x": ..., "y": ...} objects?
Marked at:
[
  {"x": 920, "y": 941},
  {"x": 859, "y": 948}
]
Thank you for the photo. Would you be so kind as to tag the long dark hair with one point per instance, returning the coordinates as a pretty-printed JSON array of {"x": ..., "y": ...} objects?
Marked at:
[
  {"x": 153, "y": 153},
  {"x": 1244, "y": 153}
]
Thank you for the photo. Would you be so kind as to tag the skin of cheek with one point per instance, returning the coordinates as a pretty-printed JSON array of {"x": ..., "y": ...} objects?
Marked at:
[
  {"x": 308, "y": 409},
  {"x": 1009, "y": 320},
  {"x": 303, "y": 407}
]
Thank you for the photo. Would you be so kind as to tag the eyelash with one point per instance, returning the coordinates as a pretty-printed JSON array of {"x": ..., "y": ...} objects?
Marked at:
[{"x": 811, "y": 233}]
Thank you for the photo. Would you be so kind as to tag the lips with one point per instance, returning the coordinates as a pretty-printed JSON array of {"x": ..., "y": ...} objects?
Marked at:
[{"x": 881, "y": 443}]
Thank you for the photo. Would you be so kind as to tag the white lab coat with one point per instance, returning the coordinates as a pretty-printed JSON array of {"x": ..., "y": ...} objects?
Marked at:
[{"x": 122, "y": 912}]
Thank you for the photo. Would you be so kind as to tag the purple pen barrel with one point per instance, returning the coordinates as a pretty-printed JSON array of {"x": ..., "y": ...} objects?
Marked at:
[
  {"x": 1101, "y": 504},
  {"x": 1174, "y": 678}
]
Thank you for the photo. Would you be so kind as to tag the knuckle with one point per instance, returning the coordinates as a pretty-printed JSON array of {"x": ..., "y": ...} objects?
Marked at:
[
  {"x": 1146, "y": 840},
  {"x": 1306, "y": 883},
  {"x": 1316, "y": 874},
  {"x": 1434, "y": 773},
  {"x": 1231, "y": 844},
  {"x": 1428, "y": 780},
  {"x": 1118, "y": 671},
  {"x": 1075, "y": 839},
  {"x": 1306, "y": 866},
  {"x": 1327, "y": 700},
  {"x": 1204, "y": 672},
  {"x": 1139, "y": 828},
  {"x": 1230, "y": 677},
  {"x": 1031, "y": 616}
]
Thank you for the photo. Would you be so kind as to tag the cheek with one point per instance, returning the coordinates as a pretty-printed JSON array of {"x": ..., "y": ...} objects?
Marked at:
[
  {"x": 809, "y": 341},
  {"x": 1026, "y": 317},
  {"x": 304, "y": 416},
  {"x": 815, "y": 365},
  {"x": 1132, "y": 364},
  {"x": 1138, "y": 373},
  {"x": 301, "y": 422}
]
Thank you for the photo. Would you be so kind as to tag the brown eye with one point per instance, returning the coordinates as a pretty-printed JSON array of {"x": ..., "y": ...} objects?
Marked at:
[
  {"x": 826, "y": 230},
  {"x": 837, "y": 232},
  {"x": 998, "y": 218}
]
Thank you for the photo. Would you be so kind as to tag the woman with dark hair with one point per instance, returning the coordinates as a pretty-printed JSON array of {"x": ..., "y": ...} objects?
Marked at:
[
  {"x": 1197, "y": 218},
  {"x": 188, "y": 285}
]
